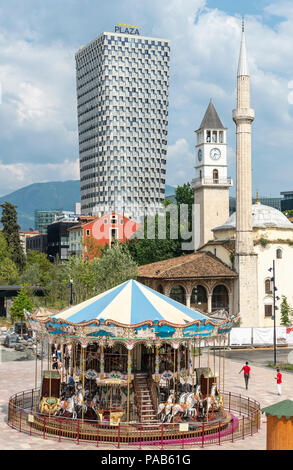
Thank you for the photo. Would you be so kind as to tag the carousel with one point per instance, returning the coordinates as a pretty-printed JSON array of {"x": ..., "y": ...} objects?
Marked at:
[{"x": 134, "y": 358}]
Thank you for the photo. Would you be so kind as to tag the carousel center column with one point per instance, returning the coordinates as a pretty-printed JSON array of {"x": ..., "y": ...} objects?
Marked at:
[
  {"x": 102, "y": 362},
  {"x": 157, "y": 364},
  {"x": 129, "y": 371}
]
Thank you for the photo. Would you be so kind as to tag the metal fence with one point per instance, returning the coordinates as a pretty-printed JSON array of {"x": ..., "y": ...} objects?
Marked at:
[{"x": 242, "y": 419}]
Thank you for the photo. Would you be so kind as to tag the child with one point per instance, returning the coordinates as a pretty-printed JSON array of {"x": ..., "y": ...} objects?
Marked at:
[{"x": 279, "y": 382}]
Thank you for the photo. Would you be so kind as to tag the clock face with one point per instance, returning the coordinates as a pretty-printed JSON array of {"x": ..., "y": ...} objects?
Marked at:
[
  {"x": 215, "y": 154},
  {"x": 199, "y": 155}
]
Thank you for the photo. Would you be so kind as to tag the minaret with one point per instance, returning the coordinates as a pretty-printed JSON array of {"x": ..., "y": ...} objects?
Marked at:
[{"x": 245, "y": 258}]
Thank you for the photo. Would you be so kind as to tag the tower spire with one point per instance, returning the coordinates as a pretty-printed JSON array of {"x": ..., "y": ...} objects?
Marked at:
[{"x": 243, "y": 62}]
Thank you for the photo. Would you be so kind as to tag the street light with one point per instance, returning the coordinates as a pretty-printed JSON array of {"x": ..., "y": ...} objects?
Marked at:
[
  {"x": 71, "y": 292},
  {"x": 273, "y": 279}
]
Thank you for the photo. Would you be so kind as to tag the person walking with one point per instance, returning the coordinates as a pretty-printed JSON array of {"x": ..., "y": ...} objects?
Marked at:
[
  {"x": 246, "y": 370},
  {"x": 279, "y": 382}
]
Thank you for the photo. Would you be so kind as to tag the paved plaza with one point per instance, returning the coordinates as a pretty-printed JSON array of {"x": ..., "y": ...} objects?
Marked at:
[{"x": 17, "y": 376}]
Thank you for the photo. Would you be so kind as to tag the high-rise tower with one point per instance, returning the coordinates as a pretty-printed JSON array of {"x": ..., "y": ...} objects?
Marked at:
[
  {"x": 245, "y": 258},
  {"x": 122, "y": 97},
  {"x": 211, "y": 184}
]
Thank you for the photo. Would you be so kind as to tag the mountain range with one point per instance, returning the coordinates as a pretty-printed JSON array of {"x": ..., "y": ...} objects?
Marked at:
[{"x": 47, "y": 196}]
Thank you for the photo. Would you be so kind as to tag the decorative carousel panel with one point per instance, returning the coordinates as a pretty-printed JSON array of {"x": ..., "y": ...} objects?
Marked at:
[
  {"x": 96, "y": 331},
  {"x": 164, "y": 331},
  {"x": 144, "y": 332},
  {"x": 198, "y": 330},
  {"x": 54, "y": 327},
  {"x": 34, "y": 323}
]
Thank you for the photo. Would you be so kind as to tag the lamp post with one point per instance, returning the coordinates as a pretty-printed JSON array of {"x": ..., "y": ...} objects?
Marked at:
[
  {"x": 71, "y": 292},
  {"x": 273, "y": 279}
]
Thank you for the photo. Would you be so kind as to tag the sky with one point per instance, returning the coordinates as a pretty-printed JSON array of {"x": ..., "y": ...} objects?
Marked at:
[{"x": 38, "y": 117}]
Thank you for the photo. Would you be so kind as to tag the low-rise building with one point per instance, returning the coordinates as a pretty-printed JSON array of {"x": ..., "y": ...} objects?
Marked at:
[
  {"x": 88, "y": 238},
  {"x": 24, "y": 235},
  {"x": 37, "y": 243}
]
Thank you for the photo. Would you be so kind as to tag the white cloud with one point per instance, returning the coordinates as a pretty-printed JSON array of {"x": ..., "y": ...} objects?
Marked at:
[
  {"x": 38, "y": 122},
  {"x": 17, "y": 175},
  {"x": 181, "y": 161}
]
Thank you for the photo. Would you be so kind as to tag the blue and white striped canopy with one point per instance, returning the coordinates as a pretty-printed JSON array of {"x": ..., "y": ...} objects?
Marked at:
[{"x": 131, "y": 303}]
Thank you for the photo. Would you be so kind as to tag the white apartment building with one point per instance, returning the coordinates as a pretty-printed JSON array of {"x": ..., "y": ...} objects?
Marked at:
[{"x": 122, "y": 100}]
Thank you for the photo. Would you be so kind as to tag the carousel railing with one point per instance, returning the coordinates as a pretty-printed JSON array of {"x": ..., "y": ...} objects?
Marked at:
[{"x": 243, "y": 419}]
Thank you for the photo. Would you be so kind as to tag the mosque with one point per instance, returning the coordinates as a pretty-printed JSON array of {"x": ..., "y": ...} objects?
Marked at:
[{"x": 230, "y": 268}]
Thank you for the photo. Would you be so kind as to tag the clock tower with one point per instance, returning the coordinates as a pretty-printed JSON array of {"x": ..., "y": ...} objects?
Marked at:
[{"x": 211, "y": 184}]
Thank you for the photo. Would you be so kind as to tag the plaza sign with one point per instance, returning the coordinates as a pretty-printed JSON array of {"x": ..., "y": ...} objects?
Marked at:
[{"x": 127, "y": 29}]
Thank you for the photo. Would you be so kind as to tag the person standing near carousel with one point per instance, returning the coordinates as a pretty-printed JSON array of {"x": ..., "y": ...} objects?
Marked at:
[{"x": 246, "y": 370}]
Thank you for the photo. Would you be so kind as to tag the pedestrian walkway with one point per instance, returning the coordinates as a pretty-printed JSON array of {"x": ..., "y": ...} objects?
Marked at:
[{"x": 18, "y": 376}]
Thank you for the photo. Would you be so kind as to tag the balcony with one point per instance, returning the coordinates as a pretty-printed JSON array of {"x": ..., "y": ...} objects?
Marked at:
[{"x": 211, "y": 182}]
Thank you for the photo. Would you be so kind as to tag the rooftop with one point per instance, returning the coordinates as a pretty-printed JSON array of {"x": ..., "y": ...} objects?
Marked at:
[
  {"x": 262, "y": 217},
  {"x": 195, "y": 265},
  {"x": 211, "y": 119},
  {"x": 282, "y": 409}
]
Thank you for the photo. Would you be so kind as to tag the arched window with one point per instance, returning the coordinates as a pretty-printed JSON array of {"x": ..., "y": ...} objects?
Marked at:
[
  {"x": 178, "y": 293},
  {"x": 160, "y": 289},
  {"x": 220, "y": 298},
  {"x": 279, "y": 253},
  {"x": 198, "y": 298},
  {"x": 215, "y": 176},
  {"x": 268, "y": 286}
]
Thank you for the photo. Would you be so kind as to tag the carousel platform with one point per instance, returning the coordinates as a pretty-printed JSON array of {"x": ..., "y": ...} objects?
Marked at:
[{"x": 243, "y": 420}]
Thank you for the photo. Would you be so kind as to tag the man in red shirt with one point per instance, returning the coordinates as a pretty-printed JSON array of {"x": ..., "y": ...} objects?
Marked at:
[
  {"x": 279, "y": 382},
  {"x": 246, "y": 369}
]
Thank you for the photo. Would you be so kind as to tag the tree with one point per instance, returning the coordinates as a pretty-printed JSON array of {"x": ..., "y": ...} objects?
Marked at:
[
  {"x": 11, "y": 233},
  {"x": 184, "y": 195},
  {"x": 21, "y": 301},
  {"x": 286, "y": 310},
  {"x": 8, "y": 272},
  {"x": 113, "y": 267},
  {"x": 92, "y": 247},
  {"x": 38, "y": 269},
  {"x": 145, "y": 250}
]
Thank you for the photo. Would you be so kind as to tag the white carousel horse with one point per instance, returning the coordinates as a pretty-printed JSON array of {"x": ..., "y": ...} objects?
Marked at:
[
  {"x": 182, "y": 398},
  {"x": 160, "y": 412},
  {"x": 210, "y": 400},
  {"x": 168, "y": 412},
  {"x": 176, "y": 409},
  {"x": 79, "y": 401},
  {"x": 67, "y": 406},
  {"x": 165, "y": 409},
  {"x": 171, "y": 398}
]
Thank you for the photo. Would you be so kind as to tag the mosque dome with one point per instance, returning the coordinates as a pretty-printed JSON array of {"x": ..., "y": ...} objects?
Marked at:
[{"x": 262, "y": 217}]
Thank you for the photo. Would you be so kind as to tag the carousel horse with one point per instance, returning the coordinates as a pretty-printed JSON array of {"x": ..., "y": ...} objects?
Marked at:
[
  {"x": 182, "y": 398},
  {"x": 167, "y": 415},
  {"x": 67, "y": 408},
  {"x": 177, "y": 412},
  {"x": 49, "y": 405},
  {"x": 80, "y": 404},
  {"x": 209, "y": 401},
  {"x": 165, "y": 409}
]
